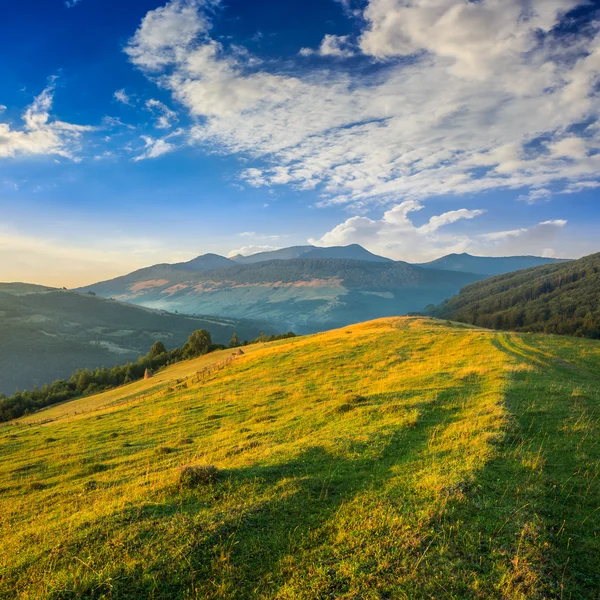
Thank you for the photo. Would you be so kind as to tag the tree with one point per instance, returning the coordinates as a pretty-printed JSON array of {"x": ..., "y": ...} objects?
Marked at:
[
  {"x": 157, "y": 349},
  {"x": 198, "y": 343},
  {"x": 235, "y": 341}
]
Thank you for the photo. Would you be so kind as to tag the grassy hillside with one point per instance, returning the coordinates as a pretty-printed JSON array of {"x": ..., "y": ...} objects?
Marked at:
[
  {"x": 401, "y": 458},
  {"x": 303, "y": 294},
  {"x": 562, "y": 299},
  {"x": 48, "y": 333}
]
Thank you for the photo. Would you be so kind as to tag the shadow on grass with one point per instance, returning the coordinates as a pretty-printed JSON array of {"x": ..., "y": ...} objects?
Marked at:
[{"x": 236, "y": 550}]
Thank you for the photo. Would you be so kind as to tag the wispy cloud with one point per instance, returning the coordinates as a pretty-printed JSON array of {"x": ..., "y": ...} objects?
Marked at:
[
  {"x": 123, "y": 97},
  {"x": 154, "y": 148},
  {"x": 462, "y": 98},
  {"x": 165, "y": 117},
  {"x": 40, "y": 133},
  {"x": 249, "y": 250}
]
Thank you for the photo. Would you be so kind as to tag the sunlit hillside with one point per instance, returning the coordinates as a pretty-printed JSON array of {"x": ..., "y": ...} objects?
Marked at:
[{"x": 399, "y": 458}]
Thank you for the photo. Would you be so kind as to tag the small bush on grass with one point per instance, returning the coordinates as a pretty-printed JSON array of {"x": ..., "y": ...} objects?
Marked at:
[
  {"x": 165, "y": 450},
  {"x": 196, "y": 476}
]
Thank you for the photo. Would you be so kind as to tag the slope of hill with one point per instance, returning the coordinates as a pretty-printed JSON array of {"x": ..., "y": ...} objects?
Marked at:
[
  {"x": 563, "y": 299},
  {"x": 400, "y": 458},
  {"x": 47, "y": 333},
  {"x": 303, "y": 295},
  {"x": 488, "y": 265},
  {"x": 351, "y": 252}
]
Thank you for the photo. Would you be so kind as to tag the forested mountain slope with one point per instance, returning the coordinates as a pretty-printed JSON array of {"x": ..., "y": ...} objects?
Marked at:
[{"x": 562, "y": 299}]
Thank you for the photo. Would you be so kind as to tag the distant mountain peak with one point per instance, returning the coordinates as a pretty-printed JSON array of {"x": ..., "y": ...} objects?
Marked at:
[{"x": 487, "y": 265}]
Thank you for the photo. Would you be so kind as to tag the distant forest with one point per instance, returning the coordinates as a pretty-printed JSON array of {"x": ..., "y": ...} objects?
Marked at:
[
  {"x": 563, "y": 299},
  {"x": 85, "y": 382}
]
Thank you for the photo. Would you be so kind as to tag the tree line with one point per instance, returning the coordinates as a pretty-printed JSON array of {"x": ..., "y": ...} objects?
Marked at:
[{"x": 84, "y": 382}]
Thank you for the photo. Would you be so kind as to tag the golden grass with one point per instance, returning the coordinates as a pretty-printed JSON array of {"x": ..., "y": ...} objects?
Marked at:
[{"x": 398, "y": 458}]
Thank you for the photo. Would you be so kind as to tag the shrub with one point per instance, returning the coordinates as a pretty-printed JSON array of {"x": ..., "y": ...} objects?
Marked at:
[
  {"x": 356, "y": 399},
  {"x": 195, "y": 476}
]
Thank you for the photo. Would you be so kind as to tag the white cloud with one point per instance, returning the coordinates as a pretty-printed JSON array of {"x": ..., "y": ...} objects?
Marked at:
[
  {"x": 71, "y": 3},
  {"x": 537, "y": 195},
  {"x": 395, "y": 235},
  {"x": 123, "y": 97},
  {"x": 165, "y": 117},
  {"x": 526, "y": 240},
  {"x": 338, "y": 46},
  {"x": 166, "y": 33},
  {"x": 485, "y": 101},
  {"x": 154, "y": 148},
  {"x": 261, "y": 236},
  {"x": 569, "y": 147},
  {"x": 40, "y": 133},
  {"x": 3, "y": 107},
  {"x": 249, "y": 250}
]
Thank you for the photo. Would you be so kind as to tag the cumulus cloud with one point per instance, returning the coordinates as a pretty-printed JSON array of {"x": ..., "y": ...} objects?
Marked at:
[
  {"x": 166, "y": 33},
  {"x": 40, "y": 133},
  {"x": 395, "y": 235},
  {"x": 165, "y": 117},
  {"x": 464, "y": 97}
]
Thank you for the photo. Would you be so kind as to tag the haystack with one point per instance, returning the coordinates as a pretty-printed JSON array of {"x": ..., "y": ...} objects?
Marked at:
[{"x": 147, "y": 374}]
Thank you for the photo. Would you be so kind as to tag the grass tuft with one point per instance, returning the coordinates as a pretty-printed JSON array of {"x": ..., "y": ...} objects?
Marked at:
[{"x": 196, "y": 476}]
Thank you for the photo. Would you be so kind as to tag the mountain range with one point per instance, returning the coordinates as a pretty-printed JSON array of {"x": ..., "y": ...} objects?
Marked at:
[{"x": 303, "y": 288}]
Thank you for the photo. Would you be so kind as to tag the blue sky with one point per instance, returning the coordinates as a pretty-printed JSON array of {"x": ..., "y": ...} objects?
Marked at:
[{"x": 140, "y": 132}]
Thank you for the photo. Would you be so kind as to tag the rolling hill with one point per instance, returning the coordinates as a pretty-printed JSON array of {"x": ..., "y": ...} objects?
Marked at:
[
  {"x": 488, "y": 265},
  {"x": 562, "y": 298},
  {"x": 303, "y": 294},
  {"x": 401, "y": 458},
  {"x": 48, "y": 333}
]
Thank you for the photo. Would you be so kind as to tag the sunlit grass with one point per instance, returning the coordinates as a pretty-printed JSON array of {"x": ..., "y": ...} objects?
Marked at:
[{"x": 400, "y": 458}]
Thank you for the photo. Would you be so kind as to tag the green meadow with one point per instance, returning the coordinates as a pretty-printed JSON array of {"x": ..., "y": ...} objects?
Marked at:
[{"x": 399, "y": 458}]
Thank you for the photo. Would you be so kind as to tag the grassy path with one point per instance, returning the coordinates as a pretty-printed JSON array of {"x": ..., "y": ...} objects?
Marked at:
[{"x": 401, "y": 458}]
